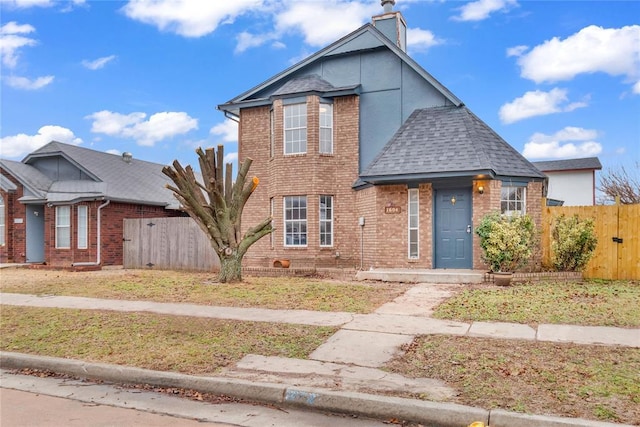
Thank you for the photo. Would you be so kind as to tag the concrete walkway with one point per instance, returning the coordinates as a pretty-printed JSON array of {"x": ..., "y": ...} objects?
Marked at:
[{"x": 349, "y": 360}]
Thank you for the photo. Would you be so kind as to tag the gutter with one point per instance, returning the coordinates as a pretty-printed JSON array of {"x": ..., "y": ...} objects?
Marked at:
[{"x": 99, "y": 239}]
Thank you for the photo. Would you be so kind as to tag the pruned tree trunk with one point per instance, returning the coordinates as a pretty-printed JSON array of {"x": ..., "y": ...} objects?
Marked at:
[{"x": 216, "y": 205}]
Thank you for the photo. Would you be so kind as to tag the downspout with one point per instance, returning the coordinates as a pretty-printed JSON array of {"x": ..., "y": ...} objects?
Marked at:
[{"x": 99, "y": 238}]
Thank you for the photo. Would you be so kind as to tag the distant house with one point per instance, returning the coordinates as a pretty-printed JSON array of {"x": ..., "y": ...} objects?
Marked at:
[
  {"x": 64, "y": 205},
  {"x": 366, "y": 160},
  {"x": 572, "y": 182}
]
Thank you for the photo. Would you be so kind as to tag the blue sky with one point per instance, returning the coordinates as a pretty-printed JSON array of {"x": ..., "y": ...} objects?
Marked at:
[{"x": 556, "y": 79}]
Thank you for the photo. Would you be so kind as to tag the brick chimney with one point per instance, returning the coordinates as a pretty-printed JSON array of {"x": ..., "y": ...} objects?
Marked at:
[{"x": 392, "y": 24}]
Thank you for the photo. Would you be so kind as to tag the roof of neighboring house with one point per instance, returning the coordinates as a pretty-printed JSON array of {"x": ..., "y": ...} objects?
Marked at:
[
  {"x": 113, "y": 179},
  {"x": 6, "y": 184},
  {"x": 374, "y": 38},
  {"x": 587, "y": 163},
  {"x": 444, "y": 142}
]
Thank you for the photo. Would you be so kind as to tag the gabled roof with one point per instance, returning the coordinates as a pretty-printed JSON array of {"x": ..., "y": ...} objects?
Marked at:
[
  {"x": 351, "y": 42},
  {"x": 587, "y": 163},
  {"x": 446, "y": 142},
  {"x": 112, "y": 178}
]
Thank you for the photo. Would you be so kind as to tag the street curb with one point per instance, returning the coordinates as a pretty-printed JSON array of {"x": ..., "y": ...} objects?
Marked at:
[{"x": 373, "y": 406}]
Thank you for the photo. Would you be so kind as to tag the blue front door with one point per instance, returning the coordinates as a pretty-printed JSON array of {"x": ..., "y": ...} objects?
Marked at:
[
  {"x": 453, "y": 228},
  {"x": 35, "y": 233}
]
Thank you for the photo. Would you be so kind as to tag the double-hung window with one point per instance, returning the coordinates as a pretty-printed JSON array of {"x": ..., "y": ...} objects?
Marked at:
[
  {"x": 295, "y": 129},
  {"x": 83, "y": 231},
  {"x": 326, "y": 128},
  {"x": 414, "y": 223},
  {"x": 295, "y": 221},
  {"x": 63, "y": 227},
  {"x": 3, "y": 227},
  {"x": 326, "y": 220},
  {"x": 512, "y": 200}
]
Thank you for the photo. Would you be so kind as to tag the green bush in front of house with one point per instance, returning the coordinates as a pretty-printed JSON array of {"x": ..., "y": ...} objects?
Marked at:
[
  {"x": 573, "y": 242},
  {"x": 507, "y": 242}
]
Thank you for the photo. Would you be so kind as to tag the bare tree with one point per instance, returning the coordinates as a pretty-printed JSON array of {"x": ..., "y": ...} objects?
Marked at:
[
  {"x": 622, "y": 183},
  {"x": 217, "y": 204}
]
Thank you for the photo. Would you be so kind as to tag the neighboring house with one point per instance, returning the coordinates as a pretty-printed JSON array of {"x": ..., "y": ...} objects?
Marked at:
[
  {"x": 64, "y": 205},
  {"x": 365, "y": 160},
  {"x": 572, "y": 182}
]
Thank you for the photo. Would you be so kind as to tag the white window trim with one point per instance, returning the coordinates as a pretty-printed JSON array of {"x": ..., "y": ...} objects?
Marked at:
[
  {"x": 272, "y": 133},
  {"x": 410, "y": 213},
  {"x": 285, "y": 129},
  {"x": 3, "y": 220},
  {"x": 83, "y": 227},
  {"x": 61, "y": 226},
  {"x": 523, "y": 202},
  {"x": 285, "y": 221},
  {"x": 271, "y": 212},
  {"x": 326, "y": 221},
  {"x": 330, "y": 127}
]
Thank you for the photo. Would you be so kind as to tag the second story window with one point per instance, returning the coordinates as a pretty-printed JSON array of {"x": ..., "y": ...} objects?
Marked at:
[
  {"x": 326, "y": 129},
  {"x": 295, "y": 129}
]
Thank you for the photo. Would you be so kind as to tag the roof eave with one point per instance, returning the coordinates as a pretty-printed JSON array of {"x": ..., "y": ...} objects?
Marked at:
[{"x": 426, "y": 176}]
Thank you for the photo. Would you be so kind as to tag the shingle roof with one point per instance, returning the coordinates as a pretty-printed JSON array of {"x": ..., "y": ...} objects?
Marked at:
[
  {"x": 311, "y": 83},
  {"x": 138, "y": 182},
  {"x": 569, "y": 164},
  {"x": 443, "y": 142},
  {"x": 31, "y": 178}
]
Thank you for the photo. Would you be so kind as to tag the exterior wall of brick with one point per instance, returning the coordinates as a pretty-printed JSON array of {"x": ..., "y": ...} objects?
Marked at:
[
  {"x": 14, "y": 249},
  {"x": 311, "y": 174}
]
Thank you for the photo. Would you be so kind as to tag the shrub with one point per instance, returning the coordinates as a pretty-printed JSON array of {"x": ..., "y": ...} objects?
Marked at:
[
  {"x": 507, "y": 242},
  {"x": 573, "y": 243}
]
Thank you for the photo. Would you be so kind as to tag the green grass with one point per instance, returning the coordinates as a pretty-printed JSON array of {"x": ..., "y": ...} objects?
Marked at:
[
  {"x": 201, "y": 288},
  {"x": 594, "y": 303},
  {"x": 166, "y": 343}
]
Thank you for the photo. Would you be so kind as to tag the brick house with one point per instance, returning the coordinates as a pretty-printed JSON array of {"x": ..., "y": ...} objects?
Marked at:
[
  {"x": 365, "y": 160},
  {"x": 64, "y": 205}
]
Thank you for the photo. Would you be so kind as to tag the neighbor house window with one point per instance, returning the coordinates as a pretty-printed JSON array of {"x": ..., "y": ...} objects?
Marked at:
[
  {"x": 512, "y": 200},
  {"x": 83, "y": 231},
  {"x": 295, "y": 221},
  {"x": 3, "y": 228},
  {"x": 414, "y": 227},
  {"x": 295, "y": 129},
  {"x": 63, "y": 227},
  {"x": 326, "y": 129},
  {"x": 326, "y": 220}
]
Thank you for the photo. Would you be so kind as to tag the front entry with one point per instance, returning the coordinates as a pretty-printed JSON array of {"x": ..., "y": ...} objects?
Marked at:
[
  {"x": 453, "y": 229},
  {"x": 35, "y": 233}
]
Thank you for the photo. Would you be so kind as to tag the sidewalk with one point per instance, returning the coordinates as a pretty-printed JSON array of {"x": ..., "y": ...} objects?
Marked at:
[{"x": 349, "y": 360}]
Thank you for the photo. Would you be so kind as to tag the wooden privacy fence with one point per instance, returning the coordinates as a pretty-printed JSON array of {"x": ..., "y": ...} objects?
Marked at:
[
  {"x": 167, "y": 243},
  {"x": 617, "y": 255}
]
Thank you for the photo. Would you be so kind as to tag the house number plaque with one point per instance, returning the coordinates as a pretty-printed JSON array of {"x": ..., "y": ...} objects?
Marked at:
[{"x": 392, "y": 209}]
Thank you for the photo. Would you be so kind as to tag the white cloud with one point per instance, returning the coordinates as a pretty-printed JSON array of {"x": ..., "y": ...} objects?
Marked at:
[
  {"x": 22, "y": 144},
  {"x": 338, "y": 18},
  {"x": 537, "y": 103},
  {"x": 481, "y": 9},
  {"x": 614, "y": 51},
  {"x": 230, "y": 158},
  {"x": 188, "y": 18},
  {"x": 24, "y": 4},
  {"x": 98, "y": 63},
  {"x": 636, "y": 88},
  {"x": 247, "y": 40},
  {"x": 28, "y": 84},
  {"x": 419, "y": 40},
  {"x": 227, "y": 129},
  {"x": 517, "y": 50},
  {"x": 570, "y": 142},
  {"x": 158, "y": 127},
  {"x": 11, "y": 41},
  {"x": 114, "y": 151}
]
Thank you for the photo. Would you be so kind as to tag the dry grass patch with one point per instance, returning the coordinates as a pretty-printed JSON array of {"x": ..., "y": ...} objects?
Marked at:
[
  {"x": 166, "y": 343},
  {"x": 592, "y": 303},
  {"x": 592, "y": 382},
  {"x": 201, "y": 288}
]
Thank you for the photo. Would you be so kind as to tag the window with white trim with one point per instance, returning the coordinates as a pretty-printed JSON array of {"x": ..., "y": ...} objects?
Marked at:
[
  {"x": 272, "y": 134},
  {"x": 295, "y": 221},
  {"x": 414, "y": 222},
  {"x": 83, "y": 230},
  {"x": 326, "y": 221},
  {"x": 271, "y": 211},
  {"x": 326, "y": 128},
  {"x": 3, "y": 219},
  {"x": 512, "y": 200},
  {"x": 63, "y": 227},
  {"x": 295, "y": 129}
]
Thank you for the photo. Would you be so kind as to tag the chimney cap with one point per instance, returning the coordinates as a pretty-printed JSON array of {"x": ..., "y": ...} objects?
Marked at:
[{"x": 387, "y": 5}]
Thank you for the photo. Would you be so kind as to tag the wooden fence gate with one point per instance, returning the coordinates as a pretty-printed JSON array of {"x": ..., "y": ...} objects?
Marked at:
[
  {"x": 617, "y": 255},
  {"x": 168, "y": 244}
]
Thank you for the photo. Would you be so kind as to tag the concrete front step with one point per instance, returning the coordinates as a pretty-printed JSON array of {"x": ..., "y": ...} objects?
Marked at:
[{"x": 422, "y": 276}]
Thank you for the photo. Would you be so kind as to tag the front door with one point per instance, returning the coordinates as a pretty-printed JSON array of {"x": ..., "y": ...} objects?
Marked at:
[
  {"x": 35, "y": 233},
  {"x": 453, "y": 228}
]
